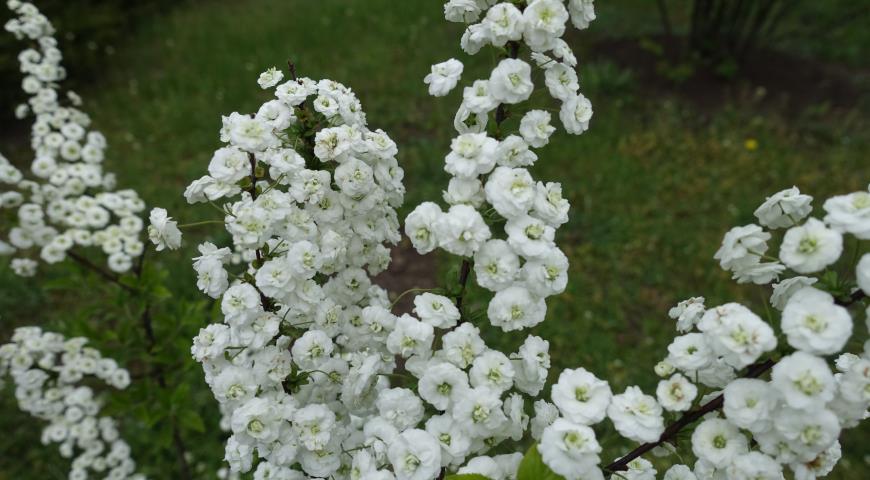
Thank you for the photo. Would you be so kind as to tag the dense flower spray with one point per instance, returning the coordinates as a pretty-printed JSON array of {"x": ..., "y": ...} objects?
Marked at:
[
  {"x": 308, "y": 195},
  {"x": 49, "y": 372},
  {"x": 67, "y": 201}
]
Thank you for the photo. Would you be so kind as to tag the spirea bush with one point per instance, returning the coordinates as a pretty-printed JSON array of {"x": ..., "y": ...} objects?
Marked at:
[{"x": 316, "y": 373}]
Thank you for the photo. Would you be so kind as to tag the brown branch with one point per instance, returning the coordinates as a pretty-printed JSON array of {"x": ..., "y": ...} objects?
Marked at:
[
  {"x": 292, "y": 68},
  {"x": 687, "y": 419},
  {"x": 854, "y": 298},
  {"x": 107, "y": 275},
  {"x": 463, "y": 281}
]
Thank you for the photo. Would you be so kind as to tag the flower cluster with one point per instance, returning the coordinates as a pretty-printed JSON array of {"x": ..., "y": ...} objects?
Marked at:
[
  {"x": 500, "y": 219},
  {"x": 796, "y": 417},
  {"x": 46, "y": 369},
  {"x": 307, "y": 342},
  {"x": 70, "y": 200}
]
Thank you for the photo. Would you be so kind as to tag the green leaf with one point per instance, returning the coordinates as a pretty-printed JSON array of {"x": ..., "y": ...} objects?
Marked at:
[
  {"x": 532, "y": 467},
  {"x": 191, "y": 420},
  {"x": 467, "y": 476}
]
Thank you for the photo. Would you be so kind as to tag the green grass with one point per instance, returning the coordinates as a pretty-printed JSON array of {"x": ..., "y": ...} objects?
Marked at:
[{"x": 654, "y": 184}]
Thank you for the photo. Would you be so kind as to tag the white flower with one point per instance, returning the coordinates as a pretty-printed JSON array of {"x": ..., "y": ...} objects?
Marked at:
[
  {"x": 256, "y": 421},
  {"x": 688, "y": 313},
  {"x": 530, "y": 237},
  {"x": 467, "y": 191},
  {"x": 471, "y": 154},
  {"x": 163, "y": 231},
  {"x": 676, "y": 394},
  {"x": 496, "y": 265},
  {"x": 640, "y": 469},
  {"x": 636, "y": 416},
  {"x": 249, "y": 134},
  {"x": 23, "y": 267},
  {"x": 742, "y": 246},
  {"x": 485, "y": 466},
  {"x": 718, "y": 442},
  {"x": 810, "y": 247},
  {"x": 849, "y": 214},
  {"x": 549, "y": 204},
  {"x": 750, "y": 403},
  {"x": 531, "y": 363},
  {"x": 442, "y": 384},
  {"x": 690, "y": 352},
  {"x": 477, "y": 98},
  {"x": 755, "y": 466},
  {"x": 511, "y": 81},
  {"x": 515, "y": 308},
  {"x": 511, "y": 191},
  {"x": 401, "y": 407},
  {"x": 436, "y": 310},
  {"x": 410, "y": 336},
  {"x": 862, "y": 273},
  {"x": 547, "y": 275},
  {"x": 270, "y": 78},
  {"x": 229, "y": 164},
  {"x": 784, "y": 209},
  {"x": 562, "y": 81},
  {"x": 803, "y": 380},
  {"x": 679, "y": 472},
  {"x": 311, "y": 349},
  {"x": 444, "y": 77},
  {"x": 462, "y": 345},
  {"x": 535, "y": 128},
  {"x": 455, "y": 443},
  {"x": 818, "y": 467},
  {"x": 808, "y": 435},
  {"x": 314, "y": 424},
  {"x": 466, "y": 121},
  {"x": 493, "y": 370},
  {"x": 737, "y": 334},
  {"x": 570, "y": 450},
  {"x": 462, "y": 230},
  {"x": 479, "y": 412},
  {"x": 784, "y": 290},
  {"x": 545, "y": 22},
  {"x": 664, "y": 369},
  {"x": 420, "y": 227},
  {"x": 581, "y": 397},
  {"x": 504, "y": 22},
  {"x": 582, "y": 14},
  {"x": 513, "y": 151},
  {"x": 575, "y": 114},
  {"x": 240, "y": 304},
  {"x": 461, "y": 11},
  {"x": 212, "y": 278},
  {"x": 814, "y": 323}
]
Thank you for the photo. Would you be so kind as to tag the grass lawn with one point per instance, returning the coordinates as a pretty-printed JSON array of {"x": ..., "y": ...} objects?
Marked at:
[{"x": 653, "y": 184}]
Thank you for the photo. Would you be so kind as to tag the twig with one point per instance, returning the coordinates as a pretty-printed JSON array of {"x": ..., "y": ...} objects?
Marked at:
[
  {"x": 463, "y": 281},
  {"x": 107, "y": 275},
  {"x": 687, "y": 419}
]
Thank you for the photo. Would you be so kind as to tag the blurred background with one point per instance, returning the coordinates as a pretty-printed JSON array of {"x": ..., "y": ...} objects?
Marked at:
[{"x": 702, "y": 107}]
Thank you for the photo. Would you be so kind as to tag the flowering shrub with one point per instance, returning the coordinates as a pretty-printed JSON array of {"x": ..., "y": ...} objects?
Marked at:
[
  {"x": 70, "y": 201},
  {"x": 317, "y": 377}
]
